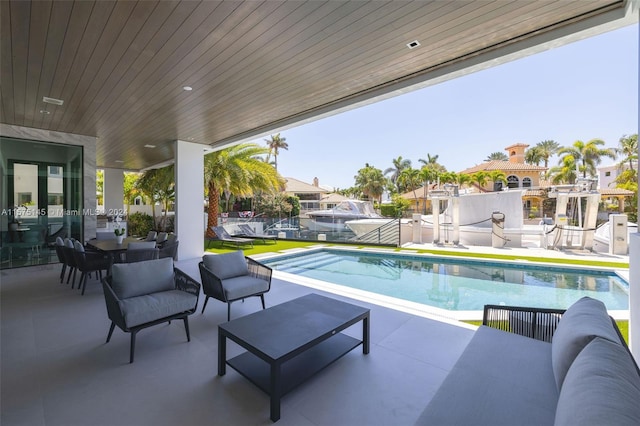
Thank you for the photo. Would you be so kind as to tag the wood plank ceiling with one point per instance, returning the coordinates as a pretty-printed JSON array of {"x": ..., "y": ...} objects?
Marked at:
[{"x": 120, "y": 66}]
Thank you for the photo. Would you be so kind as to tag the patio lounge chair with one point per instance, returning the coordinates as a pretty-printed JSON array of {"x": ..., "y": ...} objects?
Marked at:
[
  {"x": 232, "y": 276},
  {"x": 247, "y": 231},
  {"x": 142, "y": 294},
  {"x": 224, "y": 237}
]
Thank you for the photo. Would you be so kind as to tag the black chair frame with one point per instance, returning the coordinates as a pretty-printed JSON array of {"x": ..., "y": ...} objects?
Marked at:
[
  {"x": 212, "y": 285},
  {"x": 183, "y": 282}
]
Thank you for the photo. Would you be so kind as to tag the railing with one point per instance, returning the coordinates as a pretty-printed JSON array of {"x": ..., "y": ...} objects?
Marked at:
[{"x": 387, "y": 234}]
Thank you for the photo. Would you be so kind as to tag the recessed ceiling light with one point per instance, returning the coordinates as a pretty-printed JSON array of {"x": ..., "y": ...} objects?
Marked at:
[
  {"x": 119, "y": 161},
  {"x": 44, "y": 111},
  {"x": 190, "y": 139},
  {"x": 53, "y": 101},
  {"x": 187, "y": 88},
  {"x": 413, "y": 44},
  {"x": 149, "y": 146}
]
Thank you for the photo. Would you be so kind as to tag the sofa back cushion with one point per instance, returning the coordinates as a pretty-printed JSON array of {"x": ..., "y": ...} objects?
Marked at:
[
  {"x": 602, "y": 387},
  {"x": 581, "y": 323},
  {"x": 140, "y": 278},
  {"x": 227, "y": 265}
]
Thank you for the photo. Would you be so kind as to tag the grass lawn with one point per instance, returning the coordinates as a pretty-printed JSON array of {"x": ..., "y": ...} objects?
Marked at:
[
  {"x": 622, "y": 325},
  {"x": 259, "y": 247}
]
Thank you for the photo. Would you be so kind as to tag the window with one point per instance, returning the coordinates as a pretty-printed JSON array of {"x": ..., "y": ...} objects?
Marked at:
[
  {"x": 24, "y": 198},
  {"x": 607, "y": 174},
  {"x": 513, "y": 181},
  {"x": 526, "y": 182}
]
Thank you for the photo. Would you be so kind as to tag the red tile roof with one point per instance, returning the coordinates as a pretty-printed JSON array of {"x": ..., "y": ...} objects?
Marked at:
[{"x": 504, "y": 166}]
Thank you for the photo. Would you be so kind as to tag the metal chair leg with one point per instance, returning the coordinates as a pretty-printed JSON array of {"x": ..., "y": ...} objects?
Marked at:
[
  {"x": 186, "y": 328},
  {"x": 113, "y": 325},
  {"x": 205, "y": 304},
  {"x": 262, "y": 299},
  {"x": 133, "y": 346}
]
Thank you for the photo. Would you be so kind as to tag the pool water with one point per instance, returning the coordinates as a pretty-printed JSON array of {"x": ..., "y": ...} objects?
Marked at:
[{"x": 456, "y": 284}]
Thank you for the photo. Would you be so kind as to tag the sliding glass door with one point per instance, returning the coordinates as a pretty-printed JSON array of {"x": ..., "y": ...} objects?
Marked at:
[{"x": 41, "y": 199}]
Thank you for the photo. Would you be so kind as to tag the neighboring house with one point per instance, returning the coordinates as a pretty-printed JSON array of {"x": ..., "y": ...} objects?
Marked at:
[
  {"x": 607, "y": 186},
  {"x": 518, "y": 176},
  {"x": 329, "y": 201},
  {"x": 309, "y": 195},
  {"x": 608, "y": 174}
]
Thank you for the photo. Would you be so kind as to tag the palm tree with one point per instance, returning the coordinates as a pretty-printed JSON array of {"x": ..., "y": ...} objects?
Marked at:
[
  {"x": 497, "y": 176},
  {"x": 159, "y": 186},
  {"x": 547, "y": 148},
  {"x": 628, "y": 147},
  {"x": 462, "y": 179},
  {"x": 410, "y": 179},
  {"x": 448, "y": 177},
  {"x": 534, "y": 155},
  {"x": 399, "y": 164},
  {"x": 240, "y": 171},
  {"x": 427, "y": 175},
  {"x": 371, "y": 182},
  {"x": 480, "y": 179},
  {"x": 130, "y": 189},
  {"x": 565, "y": 172},
  {"x": 431, "y": 159},
  {"x": 276, "y": 143},
  {"x": 587, "y": 155},
  {"x": 497, "y": 156}
]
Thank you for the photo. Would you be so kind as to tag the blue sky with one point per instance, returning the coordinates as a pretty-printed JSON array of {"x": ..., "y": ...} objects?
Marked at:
[{"x": 584, "y": 90}]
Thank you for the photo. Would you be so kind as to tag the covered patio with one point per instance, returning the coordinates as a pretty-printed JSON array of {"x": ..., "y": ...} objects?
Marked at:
[
  {"x": 139, "y": 85},
  {"x": 57, "y": 369}
]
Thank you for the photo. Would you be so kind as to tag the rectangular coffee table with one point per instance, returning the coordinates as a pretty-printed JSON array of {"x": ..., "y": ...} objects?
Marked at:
[{"x": 288, "y": 343}]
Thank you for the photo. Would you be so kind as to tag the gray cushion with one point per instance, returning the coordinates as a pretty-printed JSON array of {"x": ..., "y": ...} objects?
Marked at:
[
  {"x": 140, "y": 245},
  {"x": 227, "y": 265},
  {"x": 143, "y": 309},
  {"x": 584, "y": 320},
  {"x": 501, "y": 378},
  {"x": 68, "y": 242},
  {"x": 602, "y": 387},
  {"x": 140, "y": 278},
  {"x": 238, "y": 287},
  {"x": 59, "y": 241}
]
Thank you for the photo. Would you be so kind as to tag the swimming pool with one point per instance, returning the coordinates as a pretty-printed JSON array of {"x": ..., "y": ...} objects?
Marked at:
[{"x": 456, "y": 284}]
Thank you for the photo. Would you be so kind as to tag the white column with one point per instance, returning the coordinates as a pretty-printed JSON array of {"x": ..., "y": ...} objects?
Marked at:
[
  {"x": 435, "y": 208},
  {"x": 113, "y": 192},
  {"x": 189, "y": 169},
  {"x": 634, "y": 294},
  {"x": 416, "y": 228}
]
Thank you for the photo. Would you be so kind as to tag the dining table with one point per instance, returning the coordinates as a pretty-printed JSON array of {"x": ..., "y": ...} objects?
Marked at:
[{"x": 111, "y": 246}]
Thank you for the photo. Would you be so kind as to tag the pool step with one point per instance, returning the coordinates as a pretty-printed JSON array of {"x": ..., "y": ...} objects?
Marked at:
[{"x": 299, "y": 265}]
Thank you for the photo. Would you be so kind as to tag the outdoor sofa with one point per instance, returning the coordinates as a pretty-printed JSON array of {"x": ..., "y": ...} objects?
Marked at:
[{"x": 583, "y": 374}]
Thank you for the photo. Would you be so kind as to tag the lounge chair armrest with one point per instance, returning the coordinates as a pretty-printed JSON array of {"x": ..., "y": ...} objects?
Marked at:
[
  {"x": 536, "y": 323},
  {"x": 185, "y": 283},
  {"x": 212, "y": 285},
  {"x": 113, "y": 304},
  {"x": 259, "y": 270}
]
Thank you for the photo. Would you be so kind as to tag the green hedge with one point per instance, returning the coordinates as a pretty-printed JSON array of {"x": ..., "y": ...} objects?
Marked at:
[
  {"x": 139, "y": 224},
  {"x": 388, "y": 210}
]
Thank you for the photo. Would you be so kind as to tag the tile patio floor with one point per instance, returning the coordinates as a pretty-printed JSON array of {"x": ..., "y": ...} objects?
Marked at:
[{"x": 57, "y": 370}]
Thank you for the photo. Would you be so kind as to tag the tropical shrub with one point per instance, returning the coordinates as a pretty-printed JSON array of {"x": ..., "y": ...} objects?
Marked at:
[{"x": 139, "y": 224}]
